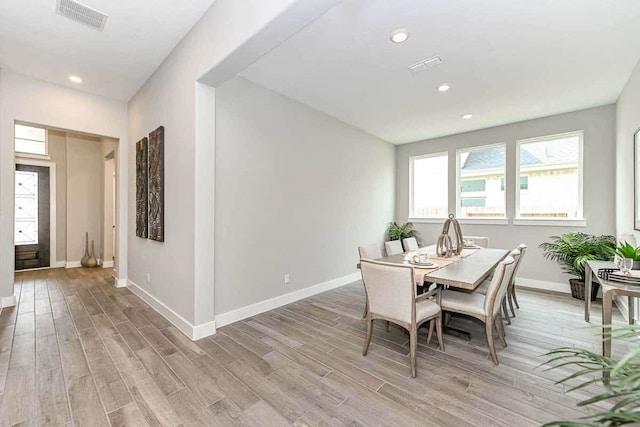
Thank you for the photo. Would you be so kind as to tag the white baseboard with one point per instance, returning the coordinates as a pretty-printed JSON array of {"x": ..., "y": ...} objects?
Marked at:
[
  {"x": 121, "y": 283},
  {"x": 105, "y": 264},
  {"x": 59, "y": 264},
  {"x": 564, "y": 288},
  {"x": 193, "y": 332},
  {"x": 273, "y": 303},
  {"x": 9, "y": 301},
  {"x": 72, "y": 264}
]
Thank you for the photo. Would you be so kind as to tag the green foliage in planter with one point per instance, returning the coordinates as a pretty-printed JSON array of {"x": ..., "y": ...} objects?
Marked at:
[
  {"x": 404, "y": 231},
  {"x": 622, "y": 392},
  {"x": 573, "y": 250},
  {"x": 627, "y": 251}
]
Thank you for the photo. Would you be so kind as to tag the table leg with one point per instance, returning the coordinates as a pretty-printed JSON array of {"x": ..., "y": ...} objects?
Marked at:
[
  {"x": 588, "y": 275},
  {"x": 632, "y": 310},
  {"x": 607, "y": 301}
]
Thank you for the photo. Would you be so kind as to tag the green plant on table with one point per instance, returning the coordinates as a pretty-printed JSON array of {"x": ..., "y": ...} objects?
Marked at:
[
  {"x": 404, "y": 231},
  {"x": 572, "y": 251},
  {"x": 625, "y": 250},
  {"x": 622, "y": 390}
]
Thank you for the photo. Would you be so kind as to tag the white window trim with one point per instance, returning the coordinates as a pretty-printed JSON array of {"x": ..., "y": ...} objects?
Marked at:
[
  {"x": 480, "y": 220},
  {"x": 411, "y": 160},
  {"x": 22, "y": 154},
  {"x": 577, "y": 222}
]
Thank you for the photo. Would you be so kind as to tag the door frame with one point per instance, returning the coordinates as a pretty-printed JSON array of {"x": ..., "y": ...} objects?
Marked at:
[{"x": 53, "y": 225}]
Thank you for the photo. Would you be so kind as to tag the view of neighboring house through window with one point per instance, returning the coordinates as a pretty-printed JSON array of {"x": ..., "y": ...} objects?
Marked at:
[
  {"x": 551, "y": 168},
  {"x": 30, "y": 140},
  {"x": 481, "y": 182},
  {"x": 429, "y": 186}
]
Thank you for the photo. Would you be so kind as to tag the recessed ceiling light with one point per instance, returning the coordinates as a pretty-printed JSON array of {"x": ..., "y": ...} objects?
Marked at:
[
  {"x": 75, "y": 79},
  {"x": 467, "y": 116},
  {"x": 399, "y": 35},
  {"x": 443, "y": 87}
]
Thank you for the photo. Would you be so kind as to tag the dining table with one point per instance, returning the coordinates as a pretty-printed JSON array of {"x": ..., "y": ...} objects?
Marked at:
[{"x": 465, "y": 271}]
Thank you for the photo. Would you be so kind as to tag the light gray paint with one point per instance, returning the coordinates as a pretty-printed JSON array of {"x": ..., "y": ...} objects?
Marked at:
[
  {"x": 84, "y": 196},
  {"x": 296, "y": 192},
  {"x": 599, "y": 182},
  {"x": 58, "y": 152},
  {"x": 627, "y": 122},
  {"x": 169, "y": 99}
]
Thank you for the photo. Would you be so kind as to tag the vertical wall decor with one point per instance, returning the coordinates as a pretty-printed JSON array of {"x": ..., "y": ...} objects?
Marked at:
[
  {"x": 141, "y": 187},
  {"x": 156, "y": 184}
]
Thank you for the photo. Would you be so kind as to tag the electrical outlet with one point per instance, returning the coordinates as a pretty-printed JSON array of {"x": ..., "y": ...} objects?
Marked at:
[
  {"x": 148, "y": 277},
  {"x": 286, "y": 278}
]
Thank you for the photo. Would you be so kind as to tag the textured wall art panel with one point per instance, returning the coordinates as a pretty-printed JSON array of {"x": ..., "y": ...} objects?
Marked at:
[
  {"x": 156, "y": 184},
  {"x": 141, "y": 187}
]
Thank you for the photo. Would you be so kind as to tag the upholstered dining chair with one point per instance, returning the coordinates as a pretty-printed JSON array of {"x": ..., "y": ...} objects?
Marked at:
[
  {"x": 393, "y": 247},
  {"x": 410, "y": 244},
  {"x": 510, "y": 296},
  {"x": 391, "y": 296},
  {"x": 370, "y": 251},
  {"x": 481, "y": 241},
  {"x": 485, "y": 307}
]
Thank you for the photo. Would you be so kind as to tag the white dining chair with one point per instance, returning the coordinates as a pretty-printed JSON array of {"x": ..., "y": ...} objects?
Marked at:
[
  {"x": 391, "y": 296},
  {"x": 485, "y": 307},
  {"x": 481, "y": 241},
  {"x": 393, "y": 247},
  {"x": 370, "y": 251},
  {"x": 410, "y": 244}
]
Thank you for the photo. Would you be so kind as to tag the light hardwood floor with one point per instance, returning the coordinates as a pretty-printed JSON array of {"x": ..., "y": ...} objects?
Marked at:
[{"x": 78, "y": 351}]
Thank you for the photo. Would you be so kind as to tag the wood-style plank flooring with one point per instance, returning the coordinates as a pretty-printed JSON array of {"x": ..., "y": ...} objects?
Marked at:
[{"x": 78, "y": 351}]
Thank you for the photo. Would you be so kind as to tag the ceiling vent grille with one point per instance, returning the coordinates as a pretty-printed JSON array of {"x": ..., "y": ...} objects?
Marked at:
[
  {"x": 82, "y": 14},
  {"x": 434, "y": 61}
]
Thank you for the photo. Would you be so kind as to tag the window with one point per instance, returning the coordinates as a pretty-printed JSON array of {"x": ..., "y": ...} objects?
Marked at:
[
  {"x": 552, "y": 168},
  {"x": 429, "y": 186},
  {"x": 26, "y": 214},
  {"x": 524, "y": 183},
  {"x": 481, "y": 182},
  {"x": 30, "y": 140}
]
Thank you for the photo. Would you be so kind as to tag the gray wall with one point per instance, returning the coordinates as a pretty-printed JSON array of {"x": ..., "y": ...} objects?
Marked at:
[
  {"x": 296, "y": 192},
  {"x": 627, "y": 122},
  {"x": 599, "y": 183}
]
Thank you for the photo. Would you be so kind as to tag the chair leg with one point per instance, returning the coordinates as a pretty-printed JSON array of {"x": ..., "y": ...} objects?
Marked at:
[
  {"x": 513, "y": 293},
  {"x": 439, "y": 332},
  {"x": 500, "y": 328},
  {"x": 413, "y": 339},
  {"x": 510, "y": 298},
  {"x": 367, "y": 340},
  {"x": 490, "y": 343},
  {"x": 432, "y": 325},
  {"x": 366, "y": 308},
  {"x": 447, "y": 317},
  {"x": 503, "y": 307}
]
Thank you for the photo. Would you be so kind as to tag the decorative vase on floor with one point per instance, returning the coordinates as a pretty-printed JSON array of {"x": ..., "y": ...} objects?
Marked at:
[
  {"x": 92, "y": 261},
  {"x": 85, "y": 258}
]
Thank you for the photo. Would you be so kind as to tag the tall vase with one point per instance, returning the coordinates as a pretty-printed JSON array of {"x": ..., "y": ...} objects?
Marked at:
[
  {"x": 92, "y": 261},
  {"x": 85, "y": 258}
]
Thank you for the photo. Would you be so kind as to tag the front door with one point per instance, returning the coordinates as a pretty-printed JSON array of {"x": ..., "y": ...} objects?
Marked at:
[{"x": 31, "y": 226}]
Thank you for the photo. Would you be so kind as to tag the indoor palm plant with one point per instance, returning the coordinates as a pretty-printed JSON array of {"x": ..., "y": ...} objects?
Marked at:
[
  {"x": 622, "y": 390},
  {"x": 404, "y": 231},
  {"x": 572, "y": 251}
]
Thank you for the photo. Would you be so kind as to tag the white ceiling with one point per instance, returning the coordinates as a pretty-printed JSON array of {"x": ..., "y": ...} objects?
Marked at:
[
  {"x": 138, "y": 36},
  {"x": 506, "y": 61}
]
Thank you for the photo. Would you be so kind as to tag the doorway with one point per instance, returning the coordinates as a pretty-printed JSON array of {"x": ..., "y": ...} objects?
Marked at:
[{"x": 32, "y": 217}]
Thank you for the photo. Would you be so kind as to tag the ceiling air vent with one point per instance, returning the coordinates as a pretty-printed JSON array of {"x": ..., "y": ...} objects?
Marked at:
[
  {"x": 81, "y": 14},
  {"x": 425, "y": 64}
]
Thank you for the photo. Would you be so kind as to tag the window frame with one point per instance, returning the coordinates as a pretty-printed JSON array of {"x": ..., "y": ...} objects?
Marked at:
[
  {"x": 412, "y": 159},
  {"x": 479, "y": 219},
  {"x": 580, "y": 220},
  {"x": 22, "y": 154}
]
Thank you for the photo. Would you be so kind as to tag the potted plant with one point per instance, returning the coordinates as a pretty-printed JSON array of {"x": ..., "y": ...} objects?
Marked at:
[
  {"x": 404, "y": 231},
  {"x": 572, "y": 251},
  {"x": 625, "y": 250}
]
